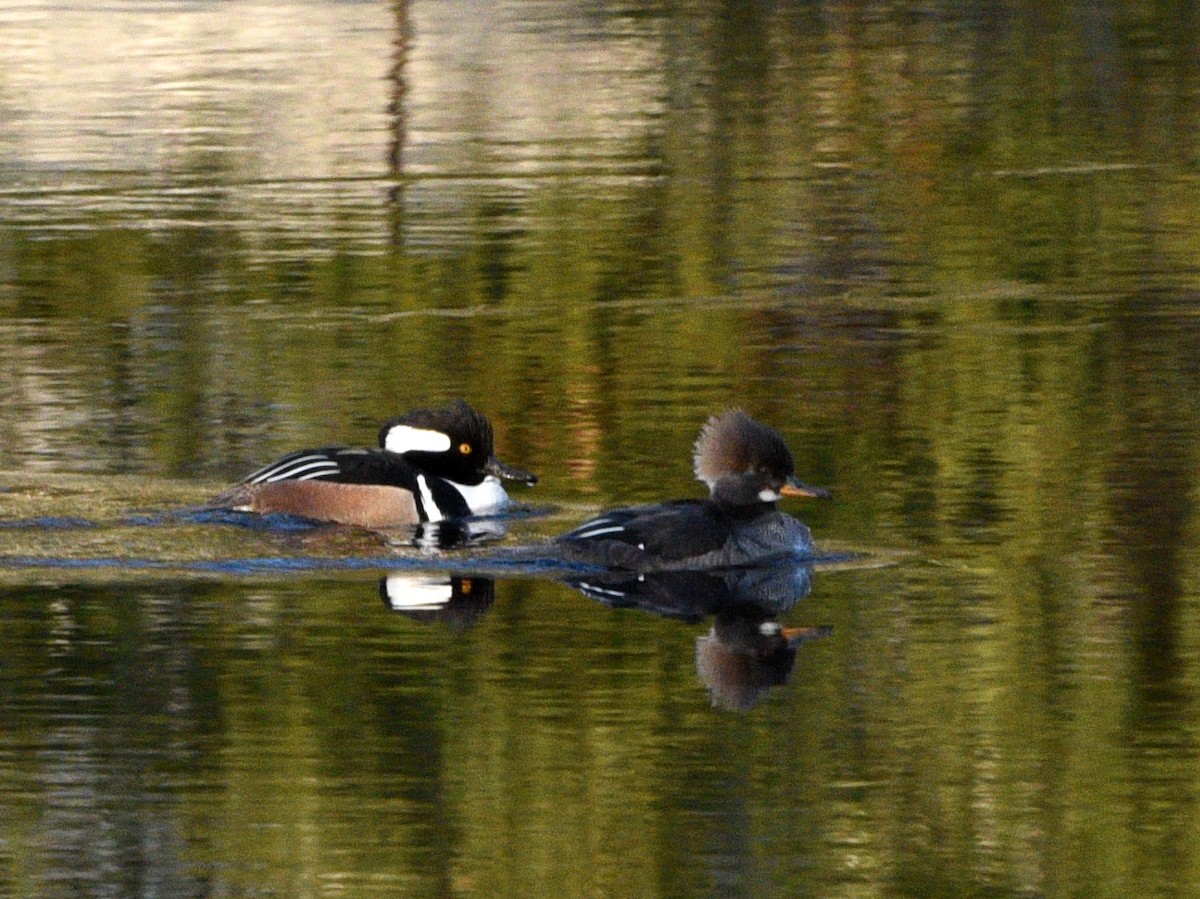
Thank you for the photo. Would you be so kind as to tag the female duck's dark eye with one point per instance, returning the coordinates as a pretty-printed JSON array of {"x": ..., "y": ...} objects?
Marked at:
[{"x": 465, "y": 449}]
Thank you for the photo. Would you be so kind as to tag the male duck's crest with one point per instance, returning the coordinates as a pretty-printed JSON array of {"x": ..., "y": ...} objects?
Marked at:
[{"x": 454, "y": 442}]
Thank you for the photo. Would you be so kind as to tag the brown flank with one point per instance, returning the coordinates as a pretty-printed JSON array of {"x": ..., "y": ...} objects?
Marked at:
[{"x": 365, "y": 505}]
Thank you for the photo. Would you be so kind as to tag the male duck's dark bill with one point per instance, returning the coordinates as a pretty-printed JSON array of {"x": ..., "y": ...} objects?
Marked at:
[{"x": 499, "y": 469}]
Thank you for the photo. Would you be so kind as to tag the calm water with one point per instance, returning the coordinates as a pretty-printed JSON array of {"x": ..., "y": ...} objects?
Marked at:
[{"x": 949, "y": 250}]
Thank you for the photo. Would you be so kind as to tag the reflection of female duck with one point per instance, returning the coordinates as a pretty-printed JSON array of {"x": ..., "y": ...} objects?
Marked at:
[
  {"x": 744, "y": 654},
  {"x": 747, "y": 650},
  {"x": 747, "y": 467},
  {"x": 694, "y": 595}
]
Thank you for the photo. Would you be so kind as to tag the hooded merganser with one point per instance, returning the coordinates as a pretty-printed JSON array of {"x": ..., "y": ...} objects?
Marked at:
[
  {"x": 747, "y": 468},
  {"x": 431, "y": 464}
]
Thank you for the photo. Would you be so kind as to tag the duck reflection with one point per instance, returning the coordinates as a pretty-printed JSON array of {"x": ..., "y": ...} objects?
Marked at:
[
  {"x": 746, "y": 653},
  {"x": 694, "y": 595},
  {"x": 457, "y": 533},
  {"x": 746, "y": 650},
  {"x": 454, "y": 600}
]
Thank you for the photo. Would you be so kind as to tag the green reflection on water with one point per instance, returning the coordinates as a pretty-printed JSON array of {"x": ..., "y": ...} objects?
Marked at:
[
  {"x": 948, "y": 252},
  {"x": 259, "y": 735}
]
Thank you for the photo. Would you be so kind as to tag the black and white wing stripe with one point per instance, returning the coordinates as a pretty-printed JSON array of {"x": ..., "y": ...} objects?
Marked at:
[
  {"x": 689, "y": 595},
  {"x": 609, "y": 526},
  {"x": 303, "y": 465},
  {"x": 608, "y": 595},
  {"x": 660, "y": 534}
]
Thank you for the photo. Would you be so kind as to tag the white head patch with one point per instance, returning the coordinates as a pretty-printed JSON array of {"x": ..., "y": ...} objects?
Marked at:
[{"x": 407, "y": 439}]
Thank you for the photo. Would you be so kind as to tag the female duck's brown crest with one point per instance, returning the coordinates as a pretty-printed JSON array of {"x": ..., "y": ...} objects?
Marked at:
[{"x": 733, "y": 442}]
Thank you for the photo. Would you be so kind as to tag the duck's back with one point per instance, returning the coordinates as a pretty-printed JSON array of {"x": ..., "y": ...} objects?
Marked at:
[{"x": 684, "y": 535}]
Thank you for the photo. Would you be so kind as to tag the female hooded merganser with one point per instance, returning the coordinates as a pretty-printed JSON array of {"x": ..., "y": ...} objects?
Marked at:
[
  {"x": 747, "y": 467},
  {"x": 432, "y": 464}
]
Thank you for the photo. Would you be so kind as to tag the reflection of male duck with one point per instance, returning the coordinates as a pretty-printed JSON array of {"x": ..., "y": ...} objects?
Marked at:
[
  {"x": 458, "y": 533},
  {"x": 747, "y": 467},
  {"x": 457, "y": 601},
  {"x": 746, "y": 650}
]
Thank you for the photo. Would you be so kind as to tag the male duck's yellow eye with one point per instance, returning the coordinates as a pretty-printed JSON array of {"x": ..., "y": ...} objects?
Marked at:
[{"x": 465, "y": 449}]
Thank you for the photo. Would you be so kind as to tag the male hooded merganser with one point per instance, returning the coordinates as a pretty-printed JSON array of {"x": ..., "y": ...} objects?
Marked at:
[
  {"x": 431, "y": 464},
  {"x": 747, "y": 467}
]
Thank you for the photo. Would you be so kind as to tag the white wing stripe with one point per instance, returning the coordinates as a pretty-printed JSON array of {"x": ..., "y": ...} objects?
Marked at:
[
  {"x": 319, "y": 473},
  {"x": 600, "y": 591},
  {"x": 298, "y": 475},
  {"x": 297, "y": 471},
  {"x": 596, "y": 532},
  {"x": 291, "y": 468}
]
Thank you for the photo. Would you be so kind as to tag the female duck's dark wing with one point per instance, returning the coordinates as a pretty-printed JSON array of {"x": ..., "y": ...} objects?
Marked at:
[
  {"x": 642, "y": 537},
  {"x": 340, "y": 464}
]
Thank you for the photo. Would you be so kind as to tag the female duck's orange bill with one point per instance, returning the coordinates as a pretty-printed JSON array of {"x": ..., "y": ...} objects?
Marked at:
[{"x": 792, "y": 487}]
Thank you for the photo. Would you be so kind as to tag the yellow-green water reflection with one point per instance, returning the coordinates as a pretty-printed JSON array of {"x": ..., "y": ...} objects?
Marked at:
[
  {"x": 296, "y": 738},
  {"x": 948, "y": 252}
]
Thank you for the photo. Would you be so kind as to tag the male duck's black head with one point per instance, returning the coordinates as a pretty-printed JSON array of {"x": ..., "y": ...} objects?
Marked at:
[
  {"x": 746, "y": 464},
  {"x": 454, "y": 442}
]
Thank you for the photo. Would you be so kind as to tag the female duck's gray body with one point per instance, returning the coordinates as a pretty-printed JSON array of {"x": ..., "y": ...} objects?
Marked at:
[
  {"x": 431, "y": 464},
  {"x": 747, "y": 467}
]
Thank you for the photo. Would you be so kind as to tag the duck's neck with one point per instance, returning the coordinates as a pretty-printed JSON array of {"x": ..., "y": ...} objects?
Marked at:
[{"x": 738, "y": 499}]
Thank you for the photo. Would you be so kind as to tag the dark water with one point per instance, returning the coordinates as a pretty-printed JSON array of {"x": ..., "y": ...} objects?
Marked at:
[{"x": 949, "y": 250}]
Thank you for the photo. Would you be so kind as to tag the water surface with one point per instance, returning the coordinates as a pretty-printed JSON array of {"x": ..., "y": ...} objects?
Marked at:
[{"x": 948, "y": 252}]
